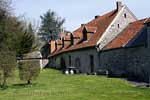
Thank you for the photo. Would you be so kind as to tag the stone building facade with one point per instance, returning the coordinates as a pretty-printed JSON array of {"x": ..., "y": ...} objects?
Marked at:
[
  {"x": 115, "y": 41},
  {"x": 86, "y": 60},
  {"x": 121, "y": 21}
]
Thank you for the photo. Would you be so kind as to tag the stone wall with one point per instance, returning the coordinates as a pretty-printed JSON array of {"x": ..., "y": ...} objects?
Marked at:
[
  {"x": 127, "y": 62},
  {"x": 43, "y": 63},
  {"x": 123, "y": 18},
  {"x": 148, "y": 32},
  {"x": 79, "y": 59}
]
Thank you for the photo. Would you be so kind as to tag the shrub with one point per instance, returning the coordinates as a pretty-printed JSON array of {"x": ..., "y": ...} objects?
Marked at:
[
  {"x": 29, "y": 71},
  {"x": 7, "y": 66}
]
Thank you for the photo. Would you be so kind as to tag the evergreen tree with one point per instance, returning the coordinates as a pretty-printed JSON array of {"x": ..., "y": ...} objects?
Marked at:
[
  {"x": 26, "y": 41},
  {"x": 19, "y": 37},
  {"x": 5, "y": 6},
  {"x": 51, "y": 26},
  {"x": 7, "y": 66}
]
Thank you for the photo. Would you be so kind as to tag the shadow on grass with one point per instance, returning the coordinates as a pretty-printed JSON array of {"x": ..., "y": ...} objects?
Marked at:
[
  {"x": 22, "y": 85},
  {"x": 3, "y": 88}
]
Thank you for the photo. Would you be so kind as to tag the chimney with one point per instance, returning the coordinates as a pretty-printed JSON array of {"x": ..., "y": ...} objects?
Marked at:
[
  {"x": 82, "y": 24},
  {"x": 96, "y": 16},
  {"x": 53, "y": 46},
  {"x": 119, "y": 5}
]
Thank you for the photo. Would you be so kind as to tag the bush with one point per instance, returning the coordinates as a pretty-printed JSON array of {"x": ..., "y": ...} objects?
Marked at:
[
  {"x": 29, "y": 71},
  {"x": 7, "y": 66}
]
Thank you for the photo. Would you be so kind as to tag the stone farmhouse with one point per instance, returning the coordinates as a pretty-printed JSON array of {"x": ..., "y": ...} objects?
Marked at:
[{"x": 116, "y": 41}]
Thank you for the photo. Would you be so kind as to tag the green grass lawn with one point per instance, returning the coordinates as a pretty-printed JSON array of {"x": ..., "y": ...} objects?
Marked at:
[{"x": 52, "y": 85}]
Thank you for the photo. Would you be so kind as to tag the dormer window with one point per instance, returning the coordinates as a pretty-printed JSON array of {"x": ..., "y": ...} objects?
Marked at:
[
  {"x": 84, "y": 34},
  {"x": 118, "y": 26},
  {"x": 125, "y": 15}
]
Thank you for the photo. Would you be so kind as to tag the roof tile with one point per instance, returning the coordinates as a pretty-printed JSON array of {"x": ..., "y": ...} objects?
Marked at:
[
  {"x": 126, "y": 35},
  {"x": 101, "y": 23}
]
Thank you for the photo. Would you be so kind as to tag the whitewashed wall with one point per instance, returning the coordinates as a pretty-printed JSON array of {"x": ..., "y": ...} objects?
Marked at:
[{"x": 113, "y": 30}]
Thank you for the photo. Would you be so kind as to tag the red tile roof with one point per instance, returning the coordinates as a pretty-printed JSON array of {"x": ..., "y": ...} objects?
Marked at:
[
  {"x": 148, "y": 20},
  {"x": 100, "y": 24},
  {"x": 66, "y": 46},
  {"x": 126, "y": 35}
]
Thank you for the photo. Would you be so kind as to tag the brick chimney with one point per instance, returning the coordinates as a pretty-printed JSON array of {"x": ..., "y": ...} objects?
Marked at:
[
  {"x": 96, "y": 16},
  {"x": 119, "y": 5},
  {"x": 53, "y": 46},
  {"x": 82, "y": 25}
]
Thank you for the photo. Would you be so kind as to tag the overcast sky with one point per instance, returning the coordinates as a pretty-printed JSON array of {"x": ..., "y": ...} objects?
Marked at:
[{"x": 77, "y": 12}]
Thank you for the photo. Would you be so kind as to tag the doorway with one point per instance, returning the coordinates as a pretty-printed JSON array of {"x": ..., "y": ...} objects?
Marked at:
[
  {"x": 63, "y": 64},
  {"x": 92, "y": 63}
]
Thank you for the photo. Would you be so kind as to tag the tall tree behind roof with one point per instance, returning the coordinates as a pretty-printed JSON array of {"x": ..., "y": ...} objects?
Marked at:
[{"x": 51, "y": 26}]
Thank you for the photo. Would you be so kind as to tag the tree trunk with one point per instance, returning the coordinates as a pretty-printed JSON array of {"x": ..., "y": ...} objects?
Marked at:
[
  {"x": 29, "y": 82},
  {"x": 1, "y": 84},
  {"x": 0, "y": 81},
  {"x": 4, "y": 83}
]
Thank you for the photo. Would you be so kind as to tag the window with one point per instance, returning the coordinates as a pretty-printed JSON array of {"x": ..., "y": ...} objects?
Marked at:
[
  {"x": 118, "y": 26},
  {"x": 69, "y": 60},
  {"x": 84, "y": 34},
  {"x": 77, "y": 62},
  {"x": 125, "y": 15}
]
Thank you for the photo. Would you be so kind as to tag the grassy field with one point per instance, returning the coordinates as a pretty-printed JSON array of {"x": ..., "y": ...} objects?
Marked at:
[{"x": 51, "y": 85}]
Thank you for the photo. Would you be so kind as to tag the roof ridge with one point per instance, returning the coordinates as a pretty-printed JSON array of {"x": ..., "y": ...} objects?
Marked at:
[
  {"x": 139, "y": 24},
  {"x": 104, "y": 15},
  {"x": 139, "y": 20},
  {"x": 96, "y": 19},
  {"x": 101, "y": 23}
]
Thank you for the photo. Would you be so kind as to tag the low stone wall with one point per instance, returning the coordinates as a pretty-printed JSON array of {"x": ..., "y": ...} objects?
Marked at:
[{"x": 39, "y": 62}]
